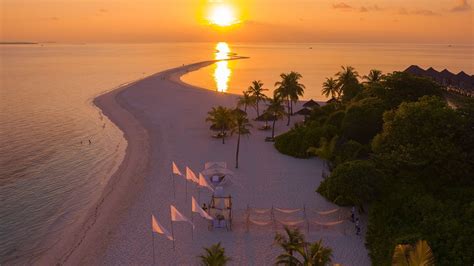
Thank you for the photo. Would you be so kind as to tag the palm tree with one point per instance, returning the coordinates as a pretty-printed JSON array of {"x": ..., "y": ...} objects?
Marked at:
[
  {"x": 330, "y": 88},
  {"x": 256, "y": 90},
  {"x": 374, "y": 76},
  {"x": 292, "y": 240},
  {"x": 246, "y": 100},
  {"x": 290, "y": 89},
  {"x": 221, "y": 119},
  {"x": 241, "y": 126},
  {"x": 418, "y": 255},
  {"x": 294, "y": 244},
  {"x": 214, "y": 256},
  {"x": 347, "y": 82},
  {"x": 312, "y": 254},
  {"x": 276, "y": 110}
]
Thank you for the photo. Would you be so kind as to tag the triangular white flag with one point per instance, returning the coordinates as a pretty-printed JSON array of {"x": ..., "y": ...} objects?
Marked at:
[
  {"x": 176, "y": 170},
  {"x": 176, "y": 216},
  {"x": 203, "y": 182},
  {"x": 158, "y": 228},
  {"x": 198, "y": 209},
  {"x": 191, "y": 176}
]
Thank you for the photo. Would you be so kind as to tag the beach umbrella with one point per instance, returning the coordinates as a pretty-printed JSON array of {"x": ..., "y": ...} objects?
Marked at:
[
  {"x": 240, "y": 111},
  {"x": 216, "y": 171},
  {"x": 310, "y": 104},
  {"x": 304, "y": 111},
  {"x": 266, "y": 116},
  {"x": 215, "y": 128}
]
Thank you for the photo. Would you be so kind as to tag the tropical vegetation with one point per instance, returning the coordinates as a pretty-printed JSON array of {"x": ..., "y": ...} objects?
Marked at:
[
  {"x": 256, "y": 91},
  {"x": 419, "y": 254},
  {"x": 241, "y": 126},
  {"x": 214, "y": 256},
  {"x": 296, "y": 251},
  {"x": 290, "y": 89},
  {"x": 221, "y": 119},
  {"x": 396, "y": 149}
]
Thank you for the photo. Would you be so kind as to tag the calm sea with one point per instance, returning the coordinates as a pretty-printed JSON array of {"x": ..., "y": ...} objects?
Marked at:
[{"x": 49, "y": 171}]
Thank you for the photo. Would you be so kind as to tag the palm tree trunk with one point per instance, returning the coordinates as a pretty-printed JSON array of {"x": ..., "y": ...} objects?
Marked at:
[
  {"x": 258, "y": 114},
  {"x": 291, "y": 107},
  {"x": 223, "y": 137},
  {"x": 288, "y": 105},
  {"x": 273, "y": 129},
  {"x": 245, "y": 108},
  {"x": 237, "y": 152}
]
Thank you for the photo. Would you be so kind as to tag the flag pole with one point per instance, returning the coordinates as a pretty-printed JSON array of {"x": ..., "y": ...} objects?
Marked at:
[
  {"x": 199, "y": 195},
  {"x": 153, "y": 245},
  {"x": 174, "y": 185},
  {"x": 172, "y": 231}
]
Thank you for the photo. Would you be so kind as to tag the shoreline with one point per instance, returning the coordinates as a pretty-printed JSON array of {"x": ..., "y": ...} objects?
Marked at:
[
  {"x": 160, "y": 117},
  {"x": 92, "y": 228}
]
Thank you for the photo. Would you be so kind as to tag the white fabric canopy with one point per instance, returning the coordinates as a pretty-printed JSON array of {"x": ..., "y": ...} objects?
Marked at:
[
  {"x": 327, "y": 212},
  {"x": 287, "y": 211},
  {"x": 215, "y": 164},
  {"x": 328, "y": 223},
  {"x": 291, "y": 223},
  {"x": 261, "y": 223}
]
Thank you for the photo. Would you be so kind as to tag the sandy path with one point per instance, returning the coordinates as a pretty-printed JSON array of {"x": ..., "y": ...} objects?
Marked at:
[{"x": 168, "y": 117}]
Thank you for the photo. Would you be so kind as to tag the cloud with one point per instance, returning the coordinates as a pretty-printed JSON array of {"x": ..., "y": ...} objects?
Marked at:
[
  {"x": 462, "y": 6},
  {"x": 419, "y": 12},
  {"x": 341, "y": 5},
  {"x": 103, "y": 10},
  {"x": 370, "y": 8}
]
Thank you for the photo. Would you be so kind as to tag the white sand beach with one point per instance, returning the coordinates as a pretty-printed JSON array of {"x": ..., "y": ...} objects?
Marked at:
[{"x": 163, "y": 120}]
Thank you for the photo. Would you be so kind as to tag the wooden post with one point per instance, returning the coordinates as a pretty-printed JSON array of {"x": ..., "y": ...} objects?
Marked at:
[
  {"x": 172, "y": 232},
  {"x": 153, "y": 245},
  {"x": 174, "y": 185}
]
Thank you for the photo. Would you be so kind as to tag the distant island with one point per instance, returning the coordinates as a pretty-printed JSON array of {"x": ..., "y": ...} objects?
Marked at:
[
  {"x": 461, "y": 83},
  {"x": 16, "y": 43}
]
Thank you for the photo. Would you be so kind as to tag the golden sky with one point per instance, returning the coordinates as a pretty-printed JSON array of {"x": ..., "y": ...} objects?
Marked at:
[{"x": 380, "y": 21}]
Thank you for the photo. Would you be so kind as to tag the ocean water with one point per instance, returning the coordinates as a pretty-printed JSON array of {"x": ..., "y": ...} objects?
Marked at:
[
  {"x": 317, "y": 61},
  {"x": 49, "y": 172}
]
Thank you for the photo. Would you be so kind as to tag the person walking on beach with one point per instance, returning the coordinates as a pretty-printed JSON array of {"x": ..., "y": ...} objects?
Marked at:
[
  {"x": 357, "y": 226},
  {"x": 90, "y": 142}
]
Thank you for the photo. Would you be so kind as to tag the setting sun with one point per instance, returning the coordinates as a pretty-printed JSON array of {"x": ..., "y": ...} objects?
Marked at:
[{"x": 222, "y": 15}]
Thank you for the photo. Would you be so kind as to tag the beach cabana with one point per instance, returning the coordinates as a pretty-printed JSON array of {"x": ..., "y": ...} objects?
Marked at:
[
  {"x": 265, "y": 117},
  {"x": 310, "y": 104},
  {"x": 217, "y": 172},
  {"x": 240, "y": 111},
  {"x": 304, "y": 111},
  {"x": 219, "y": 133},
  {"x": 220, "y": 209}
]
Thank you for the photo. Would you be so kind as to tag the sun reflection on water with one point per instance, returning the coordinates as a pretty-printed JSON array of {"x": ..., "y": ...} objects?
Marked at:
[{"x": 222, "y": 72}]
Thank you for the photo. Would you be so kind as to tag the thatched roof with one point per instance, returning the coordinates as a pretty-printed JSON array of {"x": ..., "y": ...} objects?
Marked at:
[
  {"x": 310, "y": 104},
  {"x": 266, "y": 116},
  {"x": 304, "y": 111}
]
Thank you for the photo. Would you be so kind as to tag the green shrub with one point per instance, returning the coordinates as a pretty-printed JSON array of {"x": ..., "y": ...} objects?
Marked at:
[{"x": 352, "y": 183}]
